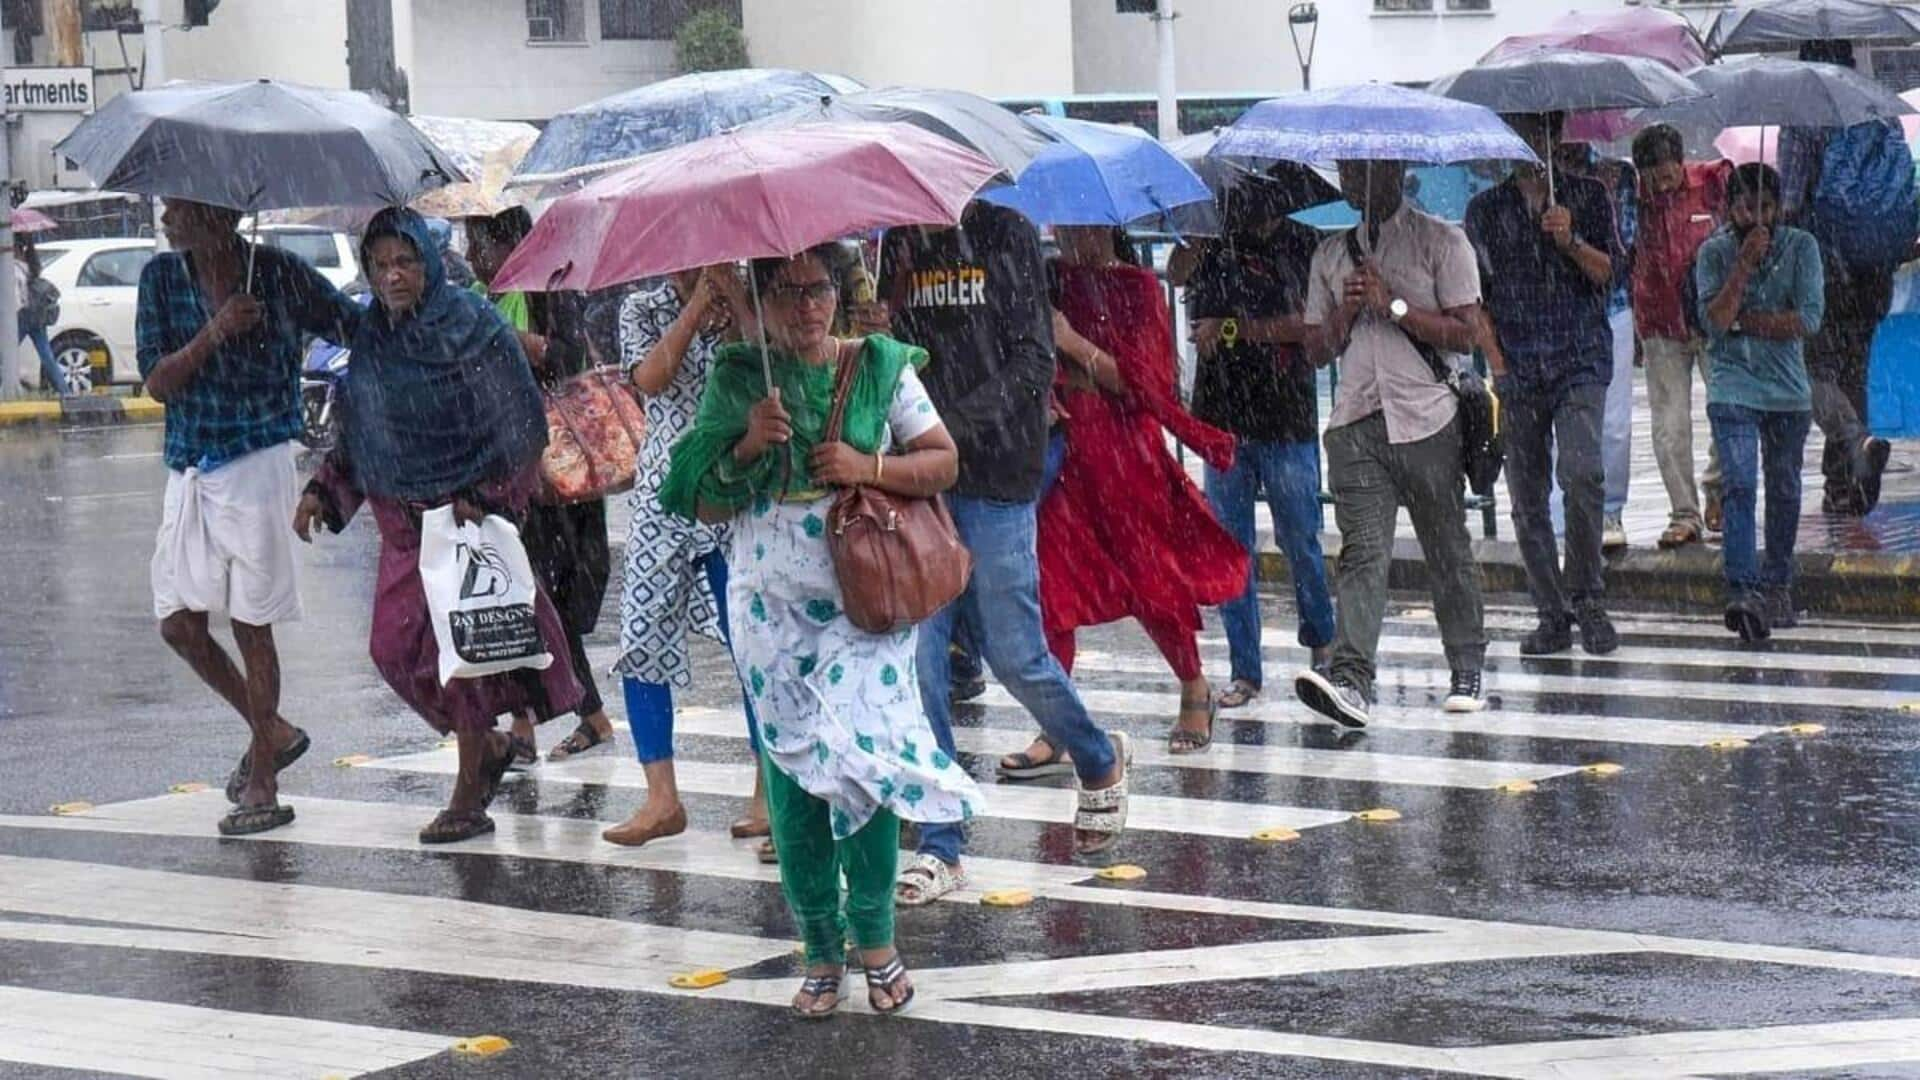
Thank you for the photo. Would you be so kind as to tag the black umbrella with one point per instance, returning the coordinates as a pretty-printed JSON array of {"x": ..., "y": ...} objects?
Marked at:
[
  {"x": 1295, "y": 187},
  {"x": 1783, "y": 24},
  {"x": 1550, "y": 80},
  {"x": 260, "y": 145},
  {"x": 970, "y": 120},
  {"x": 1772, "y": 90}
]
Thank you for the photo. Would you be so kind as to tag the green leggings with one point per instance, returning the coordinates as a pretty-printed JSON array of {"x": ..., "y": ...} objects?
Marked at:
[{"x": 811, "y": 862}]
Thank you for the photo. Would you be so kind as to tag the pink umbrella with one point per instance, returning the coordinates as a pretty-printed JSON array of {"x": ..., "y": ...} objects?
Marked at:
[
  {"x": 1639, "y": 31},
  {"x": 28, "y": 220},
  {"x": 745, "y": 195}
]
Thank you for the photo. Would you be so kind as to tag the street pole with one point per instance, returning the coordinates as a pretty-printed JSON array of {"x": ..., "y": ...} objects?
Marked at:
[
  {"x": 9, "y": 294},
  {"x": 153, "y": 63},
  {"x": 1169, "y": 99}
]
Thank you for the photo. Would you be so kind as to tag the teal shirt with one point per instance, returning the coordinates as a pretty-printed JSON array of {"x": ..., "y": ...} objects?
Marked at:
[{"x": 1751, "y": 371}]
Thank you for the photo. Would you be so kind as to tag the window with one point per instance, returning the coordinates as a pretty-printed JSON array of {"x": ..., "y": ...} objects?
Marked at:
[
  {"x": 1397, "y": 6},
  {"x": 654, "y": 20},
  {"x": 1403, "y": 5},
  {"x": 317, "y": 248},
  {"x": 115, "y": 269},
  {"x": 1469, "y": 5},
  {"x": 557, "y": 20}
]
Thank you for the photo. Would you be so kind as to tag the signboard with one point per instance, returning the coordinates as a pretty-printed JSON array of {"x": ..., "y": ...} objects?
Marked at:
[{"x": 50, "y": 89}]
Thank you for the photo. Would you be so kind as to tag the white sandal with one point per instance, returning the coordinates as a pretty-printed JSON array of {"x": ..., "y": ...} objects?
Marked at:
[
  {"x": 927, "y": 879},
  {"x": 1104, "y": 811}
]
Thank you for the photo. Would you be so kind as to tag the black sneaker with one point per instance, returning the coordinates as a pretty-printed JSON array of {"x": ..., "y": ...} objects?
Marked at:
[
  {"x": 1464, "y": 695},
  {"x": 1780, "y": 609},
  {"x": 1747, "y": 616},
  {"x": 1334, "y": 698},
  {"x": 1879, "y": 451},
  {"x": 1597, "y": 634},
  {"x": 1553, "y": 635}
]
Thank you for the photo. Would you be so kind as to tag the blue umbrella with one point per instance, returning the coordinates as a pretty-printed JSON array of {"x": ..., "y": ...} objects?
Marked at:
[
  {"x": 1371, "y": 122},
  {"x": 668, "y": 113},
  {"x": 1107, "y": 174}
]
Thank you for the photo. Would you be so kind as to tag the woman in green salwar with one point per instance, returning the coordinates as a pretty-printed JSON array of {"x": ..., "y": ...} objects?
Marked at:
[{"x": 846, "y": 749}]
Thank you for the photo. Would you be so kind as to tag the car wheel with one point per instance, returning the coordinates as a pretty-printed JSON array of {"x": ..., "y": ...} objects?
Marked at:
[{"x": 74, "y": 354}]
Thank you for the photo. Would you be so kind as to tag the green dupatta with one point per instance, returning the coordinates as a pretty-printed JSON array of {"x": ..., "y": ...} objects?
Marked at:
[{"x": 702, "y": 470}]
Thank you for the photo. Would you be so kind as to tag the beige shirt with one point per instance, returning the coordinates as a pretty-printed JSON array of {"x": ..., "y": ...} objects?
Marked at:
[{"x": 1429, "y": 264}]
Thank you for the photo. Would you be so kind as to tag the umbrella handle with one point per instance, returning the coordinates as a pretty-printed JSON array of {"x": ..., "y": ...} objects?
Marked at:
[{"x": 252, "y": 248}]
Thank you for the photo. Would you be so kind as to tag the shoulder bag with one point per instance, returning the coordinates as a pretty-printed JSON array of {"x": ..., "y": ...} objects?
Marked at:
[
  {"x": 898, "y": 559},
  {"x": 594, "y": 432}
]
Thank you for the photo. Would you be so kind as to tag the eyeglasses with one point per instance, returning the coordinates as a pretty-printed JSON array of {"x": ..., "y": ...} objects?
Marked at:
[{"x": 819, "y": 292}]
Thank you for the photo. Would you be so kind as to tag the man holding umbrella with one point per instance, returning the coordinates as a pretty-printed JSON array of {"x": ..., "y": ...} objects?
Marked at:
[{"x": 1548, "y": 249}]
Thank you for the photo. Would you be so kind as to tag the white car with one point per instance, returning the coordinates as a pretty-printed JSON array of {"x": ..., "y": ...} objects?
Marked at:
[{"x": 99, "y": 283}]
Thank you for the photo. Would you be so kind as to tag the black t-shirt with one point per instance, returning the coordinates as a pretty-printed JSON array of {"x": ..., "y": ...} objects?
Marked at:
[
  {"x": 976, "y": 299},
  {"x": 1264, "y": 393}
]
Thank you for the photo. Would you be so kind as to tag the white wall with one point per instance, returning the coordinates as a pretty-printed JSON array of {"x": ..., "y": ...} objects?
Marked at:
[
  {"x": 472, "y": 58},
  {"x": 997, "y": 48}
]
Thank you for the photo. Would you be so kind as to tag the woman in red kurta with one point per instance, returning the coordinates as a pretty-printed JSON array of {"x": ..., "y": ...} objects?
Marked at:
[{"x": 1125, "y": 531}]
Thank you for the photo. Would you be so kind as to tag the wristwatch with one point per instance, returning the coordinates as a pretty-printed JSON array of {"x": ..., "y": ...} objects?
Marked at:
[{"x": 1398, "y": 309}]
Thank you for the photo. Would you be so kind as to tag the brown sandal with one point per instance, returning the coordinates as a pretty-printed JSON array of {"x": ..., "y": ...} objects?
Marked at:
[
  {"x": 583, "y": 739},
  {"x": 451, "y": 827},
  {"x": 1186, "y": 741}
]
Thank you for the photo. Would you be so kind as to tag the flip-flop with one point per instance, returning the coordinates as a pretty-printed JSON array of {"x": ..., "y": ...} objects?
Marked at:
[
  {"x": 248, "y": 820},
  {"x": 1024, "y": 766},
  {"x": 290, "y": 753},
  {"x": 451, "y": 828},
  {"x": 1188, "y": 741}
]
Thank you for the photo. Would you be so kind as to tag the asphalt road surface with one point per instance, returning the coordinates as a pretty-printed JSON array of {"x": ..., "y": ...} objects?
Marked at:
[{"x": 1687, "y": 859}]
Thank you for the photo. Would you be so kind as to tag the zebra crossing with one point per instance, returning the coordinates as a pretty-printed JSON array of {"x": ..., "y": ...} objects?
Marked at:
[{"x": 1288, "y": 857}]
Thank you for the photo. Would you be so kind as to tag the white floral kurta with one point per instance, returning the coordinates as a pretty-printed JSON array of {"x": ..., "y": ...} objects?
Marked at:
[
  {"x": 665, "y": 595},
  {"x": 839, "y": 708}
]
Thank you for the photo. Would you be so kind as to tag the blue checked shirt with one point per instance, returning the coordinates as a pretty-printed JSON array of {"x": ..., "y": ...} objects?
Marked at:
[{"x": 247, "y": 397}]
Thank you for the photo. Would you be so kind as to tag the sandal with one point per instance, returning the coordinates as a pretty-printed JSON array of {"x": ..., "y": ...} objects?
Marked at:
[
  {"x": 1103, "y": 811},
  {"x": 1186, "y": 741},
  {"x": 1024, "y": 766},
  {"x": 767, "y": 853},
  {"x": 450, "y": 827},
  {"x": 1238, "y": 696},
  {"x": 288, "y": 754},
  {"x": 819, "y": 986},
  {"x": 884, "y": 978},
  {"x": 748, "y": 828},
  {"x": 925, "y": 880},
  {"x": 1679, "y": 535},
  {"x": 583, "y": 739},
  {"x": 247, "y": 820}
]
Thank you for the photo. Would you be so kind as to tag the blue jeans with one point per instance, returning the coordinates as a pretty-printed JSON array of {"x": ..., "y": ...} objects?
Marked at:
[
  {"x": 965, "y": 654},
  {"x": 51, "y": 377},
  {"x": 1290, "y": 475},
  {"x": 1002, "y": 605},
  {"x": 1749, "y": 441},
  {"x": 650, "y": 704},
  {"x": 1616, "y": 429}
]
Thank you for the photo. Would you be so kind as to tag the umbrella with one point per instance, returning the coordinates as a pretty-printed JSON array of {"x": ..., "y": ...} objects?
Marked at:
[
  {"x": 1370, "y": 122},
  {"x": 28, "y": 220},
  {"x": 1108, "y": 174},
  {"x": 1773, "y": 91},
  {"x": 1636, "y": 31},
  {"x": 666, "y": 114},
  {"x": 1304, "y": 185},
  {"x": 257, "y": 145},
  {"x": 1782, "y": 24},
  {"x": 968, "y": 119},
  {"x": 1549, "y": 80},
  {"x": 487, "y": 151}
]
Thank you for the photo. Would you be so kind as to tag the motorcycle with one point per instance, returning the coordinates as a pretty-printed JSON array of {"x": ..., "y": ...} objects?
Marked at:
[{"x": 321, "y": 370}]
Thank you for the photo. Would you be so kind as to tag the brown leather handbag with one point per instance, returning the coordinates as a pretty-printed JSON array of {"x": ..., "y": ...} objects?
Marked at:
[
  {"x": 899, "y": 559},
  {"x": 594, "y": 431}
]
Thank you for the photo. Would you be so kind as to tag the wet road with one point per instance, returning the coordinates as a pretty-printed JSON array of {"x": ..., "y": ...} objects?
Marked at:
[{"x": 1740, "y": 898}]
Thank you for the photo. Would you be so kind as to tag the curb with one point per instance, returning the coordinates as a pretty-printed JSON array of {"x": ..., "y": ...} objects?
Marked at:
[
  {"x": 81, "y": 410},
  {"x": 1886, "y": 585}
]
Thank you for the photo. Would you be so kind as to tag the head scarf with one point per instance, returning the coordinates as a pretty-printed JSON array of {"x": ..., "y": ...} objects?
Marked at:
[{"x": 440, "y": 399}]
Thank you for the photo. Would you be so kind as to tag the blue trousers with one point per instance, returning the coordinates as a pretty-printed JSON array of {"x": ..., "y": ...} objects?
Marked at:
[
  {"x": 1289, "y": 473},
  {"x": 51, "y": 377},
  {"x": 1751, "y": 442},
  {"x": 650, "y": 704}
]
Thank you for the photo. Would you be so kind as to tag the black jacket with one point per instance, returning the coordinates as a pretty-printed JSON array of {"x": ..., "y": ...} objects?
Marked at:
[{"x": 976, "y": 299}]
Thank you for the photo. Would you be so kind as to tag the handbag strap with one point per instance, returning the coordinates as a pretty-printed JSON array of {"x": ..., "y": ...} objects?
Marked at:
[
  {"x": 1431, "y": 355},
  {"x": 848, "y": 369}
]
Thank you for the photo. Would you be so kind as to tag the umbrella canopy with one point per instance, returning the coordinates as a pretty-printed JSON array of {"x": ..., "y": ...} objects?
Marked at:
[
  {"x": 1370, "y": 122},
  {"x": 666, "y": 114},
  {"x": 487, "y": 151},
  {"x": 1108, "y": 174},
  {"x": 28, "y": 220},
  {"x": 745, "y": 195},
  {"x": 1549, "y": 80},
  {"x": 1783, "y": 24},
  {"x": 1636, "y": 31},
  {"x": 967, "y": 119},
  {"x": 1769, "y": 90},
  {"x": 1304, "y": 185},
  {"x": 257, "y": 145}
]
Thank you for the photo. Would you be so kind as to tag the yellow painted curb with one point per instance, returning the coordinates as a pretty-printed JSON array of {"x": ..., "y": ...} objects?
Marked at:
[
  {"x": 143, "y": 408},
  {"x": 1377, "y": 814},
  {"x": 1120, "y": 872},
  {"x": 28, "y": 412},
  {"x": 1279, "y": 834},
  {"x": 482, "y": 1046},
  {"x": 1602, "y": 768},
  {"x": 1007, "y": 898},
  {"x": 69, "y": 809}
]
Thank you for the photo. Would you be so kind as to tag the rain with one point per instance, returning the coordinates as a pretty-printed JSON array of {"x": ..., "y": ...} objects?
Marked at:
[{"x": 1361, "y": 539}]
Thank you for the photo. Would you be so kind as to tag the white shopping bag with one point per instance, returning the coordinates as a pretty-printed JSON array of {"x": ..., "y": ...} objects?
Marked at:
[{"x": 480, "y": 594}]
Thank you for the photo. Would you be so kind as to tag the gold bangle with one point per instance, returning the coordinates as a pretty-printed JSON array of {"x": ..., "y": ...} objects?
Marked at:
[{"x": 879, "y": 466}]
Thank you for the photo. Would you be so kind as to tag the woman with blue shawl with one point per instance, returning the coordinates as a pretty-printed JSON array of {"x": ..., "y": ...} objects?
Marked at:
[{"x": 439, "y": 407}]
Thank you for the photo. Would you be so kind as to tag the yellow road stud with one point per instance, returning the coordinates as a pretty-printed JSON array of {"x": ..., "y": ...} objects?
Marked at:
[
  {"x": 1279, "y": 834},
  {"x": 1377, "y": 814},
  {"x": 1007, "y": 898},
  {"x": 1120, "y": 872},
  {"x": 1806, "y": 729},
  {"x": 482, "y": 1046},
  {"x": 69, "y": 809},
  {"x": 1911, "y": 707},
  {"x": 1517, "y": 787},
  {"x": 191, "y": 787},
  {"x": 698, "y": 980},
  {"x": 1602, "y": 768},
  {"x": 351, "y": 760},
  {"x": 1728, "y": 744}
]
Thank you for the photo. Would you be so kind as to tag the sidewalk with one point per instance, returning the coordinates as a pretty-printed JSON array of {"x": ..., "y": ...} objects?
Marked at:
[{"x": 86, "y": 409}]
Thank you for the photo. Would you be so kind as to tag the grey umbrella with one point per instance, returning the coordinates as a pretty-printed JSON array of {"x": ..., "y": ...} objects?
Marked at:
[
  {"x": 1770, "y": 90},
  {"x": 1783, "y": 24},
  {"x": 968, "y": 119},
  {"x": 1296, "y": 186},
  {"x": 1550, "y": 80},
  {"x": 257, "y": 146}
]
